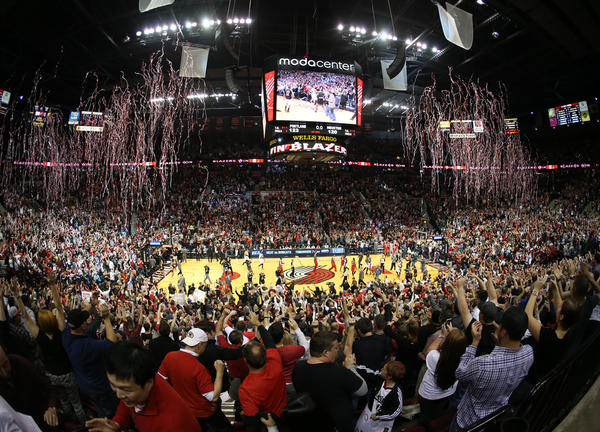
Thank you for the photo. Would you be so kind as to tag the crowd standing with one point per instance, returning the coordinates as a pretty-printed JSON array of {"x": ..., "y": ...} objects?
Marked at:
[{"x": 86, "y": 338}]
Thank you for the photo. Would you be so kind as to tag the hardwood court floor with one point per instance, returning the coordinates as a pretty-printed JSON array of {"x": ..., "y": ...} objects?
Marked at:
[{"x": 304, "y": 275}]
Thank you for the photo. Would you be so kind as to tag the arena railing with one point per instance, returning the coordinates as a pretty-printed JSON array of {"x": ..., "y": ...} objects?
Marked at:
[{"x": 551, "y": 399}]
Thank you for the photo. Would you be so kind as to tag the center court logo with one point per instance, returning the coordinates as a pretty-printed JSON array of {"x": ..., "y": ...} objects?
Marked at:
[{"x": 305, "y": 275}]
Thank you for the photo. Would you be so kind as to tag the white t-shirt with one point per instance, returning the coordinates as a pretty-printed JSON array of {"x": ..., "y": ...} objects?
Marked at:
[{"x": 429, "y": 389}]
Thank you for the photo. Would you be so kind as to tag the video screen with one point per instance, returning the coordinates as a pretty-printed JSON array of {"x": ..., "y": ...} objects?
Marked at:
[
  {"x": 316, "y": 97},
  {"x": 90, "y": 121},
  {"x": 4, "y": 101},
  {"x": 40, "y": 115},
  {"x": 74, "y": 118},
  {"x": 511, "y": 125},
  {"x": 576, "y": 112}
]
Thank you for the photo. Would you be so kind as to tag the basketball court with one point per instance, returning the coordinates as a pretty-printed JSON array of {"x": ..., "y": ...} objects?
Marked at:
[{"x": 305, "y": 276}]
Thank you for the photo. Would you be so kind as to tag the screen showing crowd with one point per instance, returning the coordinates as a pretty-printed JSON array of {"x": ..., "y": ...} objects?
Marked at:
[{"x": 316, "y": 97}]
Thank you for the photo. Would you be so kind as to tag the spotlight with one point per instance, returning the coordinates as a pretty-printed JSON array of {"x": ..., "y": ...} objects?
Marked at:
[
  {"x": 363, "y": 30},
  {"x": 408, "y": 41},
  {"x": 374, "y": 33},
  {"x": 188, "y": 25},
  {"x": 395, "y": 38},
  {"x": 352, "y": 29},
  {"x": 205, "y": 23},
  {"x": 229, "y": 21},
  {"x": 158, "y": 29},
  {"x": 172, "y": 27},
  {"x": 434, "y": 49},
  {"x": 165, "y": 27},
  {"x": 236, "y": 20},
  {"x": 248, "y": 20},
  {"x": 242, "y": 21},
  {"x": 480, "y": 2},
  {"x": 150, "y": 30},
  {"x": 340, "y": 27},
  {"x": 194, "y": 24},
  {"x": 212, "y": 22},
  {"x": 424, "y": 46},
  {"x": 218, "y": 21},
  {"x": 138, "y": 33}
]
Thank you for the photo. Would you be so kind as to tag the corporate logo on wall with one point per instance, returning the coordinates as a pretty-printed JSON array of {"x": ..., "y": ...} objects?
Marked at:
[
  {"x": 308, "y": 147},
  {"x": 305, "y": 275}
]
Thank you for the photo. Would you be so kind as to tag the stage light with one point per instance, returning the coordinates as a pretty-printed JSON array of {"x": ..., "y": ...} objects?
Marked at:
[
  {"x": 138, "y": 33},
  {"x": 229, "y": 21},
  {"x": 363, "y": 30},
  {"x": 340, "y": 27},
  {"x": 212, "y": 22},
  {"x": 408, "y": 41},
  {"x": 188, "y": 25},
  {"x": 242, "y": 21},
  {"x": 173, "y": 27},
  {"x": 205, "y": 23},
  {"x": 236, "y": 20},
  {"x": 165, "y": 27},
  {"x": 248, "y": 20},
  {"x": 480, "y": 2},
  {"x": 395, "y": 38},
  {"x": 424, "y": 46},
  {"x": 434, "y": 49},
  {"x": 158, "y": 29},
  {"x": 194, "y": 24},
  {"x": 218, "y": 21},
  {"x": 352, "y": 29},
  {"x": 150, "y": 30}
]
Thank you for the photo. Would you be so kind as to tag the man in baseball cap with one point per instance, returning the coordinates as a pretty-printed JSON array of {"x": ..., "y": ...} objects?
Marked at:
[
  {"x": 192, "y": 381},
  {"x": 77, "y": 317}
]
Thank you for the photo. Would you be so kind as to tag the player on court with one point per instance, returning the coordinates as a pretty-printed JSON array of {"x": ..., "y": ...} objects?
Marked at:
[
  {"x": 288, "y": 98},
  {"x": 261, "y": 260},
  {"x": 343, "y": 262},
  {"x": 353, "y": 267},
  {"x": 316, "y": 262},
  {"x": 333, "y": 266}
]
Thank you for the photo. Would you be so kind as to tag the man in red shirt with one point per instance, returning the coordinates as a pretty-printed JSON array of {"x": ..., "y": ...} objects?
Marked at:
[
  {"x": 290, "y": 354},
  {"x": 263, "y": 390},
  {"x": 192, "y": 380},
  {"x": 148, "y": 403}
]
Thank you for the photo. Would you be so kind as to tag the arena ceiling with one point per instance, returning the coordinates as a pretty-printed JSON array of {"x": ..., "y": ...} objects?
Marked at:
[{"x": 545, "y": 51}]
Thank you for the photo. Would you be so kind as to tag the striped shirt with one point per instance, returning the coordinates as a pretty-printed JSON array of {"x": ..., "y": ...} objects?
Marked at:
[{"x": 491, "y": 379}]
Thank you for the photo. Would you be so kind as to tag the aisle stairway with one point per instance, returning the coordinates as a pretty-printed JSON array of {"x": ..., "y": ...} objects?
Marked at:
[{"x": 159, "y": 274}]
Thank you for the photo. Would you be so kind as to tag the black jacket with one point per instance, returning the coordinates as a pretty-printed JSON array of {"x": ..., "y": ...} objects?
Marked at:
[{"x": 391, "y": 406}]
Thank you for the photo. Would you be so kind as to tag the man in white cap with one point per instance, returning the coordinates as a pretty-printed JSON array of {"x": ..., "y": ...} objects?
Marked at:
[{"x": 192, "y": 380}]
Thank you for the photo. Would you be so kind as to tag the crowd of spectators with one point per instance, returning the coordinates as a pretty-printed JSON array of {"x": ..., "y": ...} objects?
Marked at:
[{"x": 87, "y": 339}]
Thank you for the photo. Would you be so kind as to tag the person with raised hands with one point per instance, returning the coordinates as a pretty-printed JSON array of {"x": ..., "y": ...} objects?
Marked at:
[
  {"x": 192, "y": 381},
  {"x": 290, "y": 353},
  {"x": 87, "y": 354},
  {"x": 331, "y": 386},
  {"x": 552, "y": 343},
  {"x": 47, "y": 333},
  {"x": 263, "y": 390},
  {"x": 489, "y": 315},
  {"x": 491, "y": 378}
]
